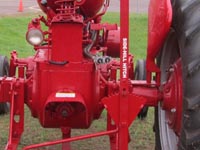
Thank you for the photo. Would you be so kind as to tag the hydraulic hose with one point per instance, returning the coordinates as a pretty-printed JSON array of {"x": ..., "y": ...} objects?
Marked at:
[{"x": 88, "y": 48}]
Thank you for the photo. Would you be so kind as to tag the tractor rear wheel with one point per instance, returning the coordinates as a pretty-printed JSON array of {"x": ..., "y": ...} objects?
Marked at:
[
  {"x": 181, "y": 52},
  {"x": 4, "y": 67},
  {"x": 140, "y": 74}
]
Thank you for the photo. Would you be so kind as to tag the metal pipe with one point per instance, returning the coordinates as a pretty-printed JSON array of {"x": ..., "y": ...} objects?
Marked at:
[
  {"x": 71, "y": 139},
  {"x": 89, "y": 46}
]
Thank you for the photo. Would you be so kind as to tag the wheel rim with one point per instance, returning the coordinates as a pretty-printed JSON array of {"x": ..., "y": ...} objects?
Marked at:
[
  {"x": 172, "y": 97},
  {"x": 168, "y": 137},
  {"x": 168, "y": 131}
]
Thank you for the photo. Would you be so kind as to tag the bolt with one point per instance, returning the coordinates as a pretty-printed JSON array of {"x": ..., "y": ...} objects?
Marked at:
[
  {"x": 173, "y": 110},
  {"x": 64, "y": 113},
  {"x": 107, "y": 59},
  {"x": 15, "y": 133},
  {"x": 167, "y": 90},
  {"x": 171, "y": 69},
  {"x": 43, "y": 2},
  {"x": 99, "y": 60}
]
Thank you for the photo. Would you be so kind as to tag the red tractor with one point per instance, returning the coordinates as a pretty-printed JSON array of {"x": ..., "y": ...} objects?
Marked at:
[{"x": 73, "y": 75}]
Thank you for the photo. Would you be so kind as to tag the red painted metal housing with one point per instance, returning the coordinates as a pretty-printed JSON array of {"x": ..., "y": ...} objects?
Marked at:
[
  {"x": 172, "y": 97},
  {"x": 89, "y": 8},
  {"x": 160, "y": 18}
]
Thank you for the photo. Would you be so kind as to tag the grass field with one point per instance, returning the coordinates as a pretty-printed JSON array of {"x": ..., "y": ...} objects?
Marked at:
[{"x": 12, "y": 37}]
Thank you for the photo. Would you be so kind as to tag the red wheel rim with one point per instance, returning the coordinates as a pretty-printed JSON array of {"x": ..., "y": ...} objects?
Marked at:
[{"x": 172, "y": 97}]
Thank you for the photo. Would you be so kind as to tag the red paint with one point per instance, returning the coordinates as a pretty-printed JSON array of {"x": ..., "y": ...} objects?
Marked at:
[
  {"x": 94, "y": 6},
  {"x": 72, "y": 139},
  {"x": 16, "y": 97},
  {"x": 172, "y": 97},
  {"x": 160, "y": 18},
  {"x": 65, "y": 51},
  {"x": 68, "y": 82},
  {"x": 113, "y": 43}
]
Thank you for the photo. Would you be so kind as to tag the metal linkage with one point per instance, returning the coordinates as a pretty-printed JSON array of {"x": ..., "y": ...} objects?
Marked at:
[
  {"x": 12, "y": 91},
  {"x": 111, "y": 132}
]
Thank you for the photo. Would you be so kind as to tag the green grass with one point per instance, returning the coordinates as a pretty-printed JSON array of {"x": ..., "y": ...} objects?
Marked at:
[
  {"x": 12, "y": 37},
  {"x": 138, "y": 32}
]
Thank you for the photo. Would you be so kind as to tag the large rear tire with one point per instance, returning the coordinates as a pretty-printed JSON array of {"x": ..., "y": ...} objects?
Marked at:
[
  {"x": 184, "y": 42},
  {"x": 140, "y": 74},
  {"x": 166, "y": 138},
  {"x": 4, "y": 68}
]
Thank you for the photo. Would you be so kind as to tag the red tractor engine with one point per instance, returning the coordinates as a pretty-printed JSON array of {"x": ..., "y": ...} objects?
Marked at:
[
  {"x": 82, "y": 66},
  {"x": 65, "y": 80},
  {"x": 64, "y": 87}
]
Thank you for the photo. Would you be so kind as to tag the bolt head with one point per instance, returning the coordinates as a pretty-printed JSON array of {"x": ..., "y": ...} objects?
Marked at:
[
  {"x": 64, "y": 113},
  {"x": 173, "y": 110},
  {"x": 171, "y": 69}
]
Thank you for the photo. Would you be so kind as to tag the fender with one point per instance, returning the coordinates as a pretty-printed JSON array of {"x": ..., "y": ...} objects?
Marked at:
[{"x": 159, "y": 22}]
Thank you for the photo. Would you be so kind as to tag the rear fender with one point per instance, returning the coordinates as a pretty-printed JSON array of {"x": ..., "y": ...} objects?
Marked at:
[{"x": 159, "y": 22}]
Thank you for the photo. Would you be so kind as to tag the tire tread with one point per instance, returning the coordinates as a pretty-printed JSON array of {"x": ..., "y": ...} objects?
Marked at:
[{"x": 186, "y": 23}]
